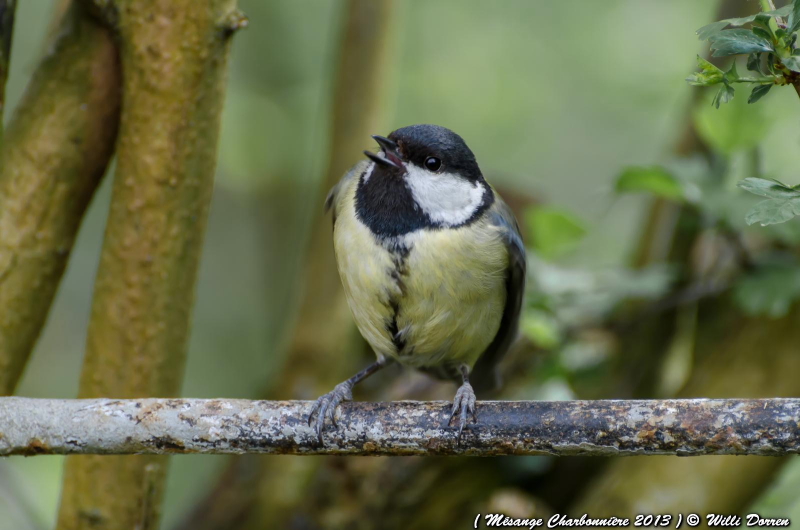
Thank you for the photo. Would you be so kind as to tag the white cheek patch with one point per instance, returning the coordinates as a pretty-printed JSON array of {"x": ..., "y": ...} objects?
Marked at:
[{"x": 445, "y": 197}]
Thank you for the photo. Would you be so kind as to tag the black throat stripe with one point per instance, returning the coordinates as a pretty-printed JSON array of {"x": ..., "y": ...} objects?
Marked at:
[{"x": 384, "y": 204}]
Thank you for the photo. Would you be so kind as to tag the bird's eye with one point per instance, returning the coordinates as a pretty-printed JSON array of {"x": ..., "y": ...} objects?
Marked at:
[{"x": 433, "y": 164}]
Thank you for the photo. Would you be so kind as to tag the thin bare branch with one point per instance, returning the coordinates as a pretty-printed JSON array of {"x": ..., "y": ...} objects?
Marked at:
[{"x": 685, "y": 427}]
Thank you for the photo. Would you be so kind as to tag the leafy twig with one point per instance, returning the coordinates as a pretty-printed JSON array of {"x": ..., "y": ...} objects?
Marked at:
[{"x": 768, "y": 42}]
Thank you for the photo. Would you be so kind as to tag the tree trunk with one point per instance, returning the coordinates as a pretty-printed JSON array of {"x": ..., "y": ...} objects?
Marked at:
[
  {"x": 56, "y": 151},
  {"x": 7, "y": 10},
  {"x": 174, "y": 59}
]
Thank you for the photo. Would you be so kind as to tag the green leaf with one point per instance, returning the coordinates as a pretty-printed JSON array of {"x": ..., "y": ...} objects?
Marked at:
[
  {"x": 764, "y": 34},
  {"x": 724, "y": 95},
  {"x": 715, "y": 27},
  {"x": 761, "y": 19},
  {"x": 769, "y": 291},
  {"x": 772, "y": 189},
  {"x": 773, "y": 211},
  {"x": 793, "y": 22},
  {"x": 758, "y": 92},
  {"x": 655, "y": 180},
  {"x": 738, "y": 41},
  {"x": 754, "y": 63},
  {"x": 553, "y": 231},
  {"x": 771, "y": 63},
  {"x": 792, "y": 63},
  {"x": 732, "y": 75},
  {"x": 708, "y": 74}
]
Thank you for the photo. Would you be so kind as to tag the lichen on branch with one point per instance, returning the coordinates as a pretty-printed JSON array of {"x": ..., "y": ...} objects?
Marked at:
[{"x": 687, "y": 427}]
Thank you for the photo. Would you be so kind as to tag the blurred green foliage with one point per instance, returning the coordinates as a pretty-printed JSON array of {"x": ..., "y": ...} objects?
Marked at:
[
  {"x": 553, "y": 231},
  {"x": 654, "y": 179},
  {"x": 770, "y": 290}
]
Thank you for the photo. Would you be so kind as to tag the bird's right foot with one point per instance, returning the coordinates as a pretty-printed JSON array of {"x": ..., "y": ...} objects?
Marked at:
[
  {"x": 463, "y": 407},
  {"x": 325, "y": 406}
]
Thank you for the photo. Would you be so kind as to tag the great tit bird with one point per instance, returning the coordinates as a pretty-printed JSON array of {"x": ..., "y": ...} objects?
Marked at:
[{"x": 432, "y": 263}]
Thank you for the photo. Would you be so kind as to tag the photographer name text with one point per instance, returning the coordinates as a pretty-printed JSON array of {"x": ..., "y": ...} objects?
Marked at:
[{"x": 754, "y": 520}]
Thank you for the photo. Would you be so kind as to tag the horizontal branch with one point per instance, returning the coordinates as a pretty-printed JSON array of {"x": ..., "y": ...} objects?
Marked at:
[{"x": 685, "y": 427}]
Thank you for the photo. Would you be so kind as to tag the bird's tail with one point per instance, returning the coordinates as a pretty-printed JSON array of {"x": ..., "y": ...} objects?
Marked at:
[{"x": 486, "y": 381}]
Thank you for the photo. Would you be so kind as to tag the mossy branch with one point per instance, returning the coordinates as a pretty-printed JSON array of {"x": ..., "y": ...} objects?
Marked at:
[
  {"x": 56, "y": 150},
  {"x": 174, "y": 60},
  {"x": 7, "y": 10},
  {"x": 766, "y": 427}
]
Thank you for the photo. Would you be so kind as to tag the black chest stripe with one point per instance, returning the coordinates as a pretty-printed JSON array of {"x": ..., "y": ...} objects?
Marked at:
[{"x": 398, "y": 272}]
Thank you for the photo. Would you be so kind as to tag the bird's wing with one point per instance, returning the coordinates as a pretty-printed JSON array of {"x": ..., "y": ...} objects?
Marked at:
[
  {"x": 334, "y": 196},
  {"x": 484, "y": 376}
]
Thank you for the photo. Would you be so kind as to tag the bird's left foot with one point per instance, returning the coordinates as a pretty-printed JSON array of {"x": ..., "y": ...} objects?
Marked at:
[{"x": 463, "y": 406}]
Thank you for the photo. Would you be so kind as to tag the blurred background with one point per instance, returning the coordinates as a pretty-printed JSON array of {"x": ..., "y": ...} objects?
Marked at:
[{"x": 637, "y": 291}]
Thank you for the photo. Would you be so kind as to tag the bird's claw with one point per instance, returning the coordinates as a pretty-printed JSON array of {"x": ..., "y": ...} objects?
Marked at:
[
  {"x": 463, "y": 406},
  {"x": 325, "y": 407}
]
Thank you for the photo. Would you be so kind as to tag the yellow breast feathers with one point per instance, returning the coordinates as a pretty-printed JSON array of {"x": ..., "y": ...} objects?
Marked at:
[{"x": 429, "y": 297}]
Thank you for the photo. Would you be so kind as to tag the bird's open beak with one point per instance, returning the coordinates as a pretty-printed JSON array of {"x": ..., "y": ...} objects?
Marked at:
[{"x": 388, "y": 155}]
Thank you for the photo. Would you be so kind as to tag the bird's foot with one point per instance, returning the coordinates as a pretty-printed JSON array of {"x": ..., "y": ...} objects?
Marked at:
[
  {"x": 463, "y": 406},
  {"x": 325, "y": 406}
]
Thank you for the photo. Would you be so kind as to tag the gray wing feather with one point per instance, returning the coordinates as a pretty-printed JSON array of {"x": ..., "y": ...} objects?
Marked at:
[{"x": 484, "y": 374}]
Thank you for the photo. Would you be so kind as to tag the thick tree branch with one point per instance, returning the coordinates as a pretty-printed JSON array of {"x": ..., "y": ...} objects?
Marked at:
[
  {"x": 7, "y": 9},
  {"x": 56, "y": 150},
  {"x": 174, "y": 62},
  {"x": 688, "y": 427}
]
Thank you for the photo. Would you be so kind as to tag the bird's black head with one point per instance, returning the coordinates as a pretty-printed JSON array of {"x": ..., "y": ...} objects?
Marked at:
[
  {"x": 436, "y": 149},
  {"x": 424, "y": 177}
]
